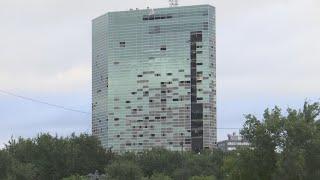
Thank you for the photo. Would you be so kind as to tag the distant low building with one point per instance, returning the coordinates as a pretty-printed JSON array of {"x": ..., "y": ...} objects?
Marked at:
[
  {"x": 234, "y": 141},
  {"x": 96, "y": 176}
]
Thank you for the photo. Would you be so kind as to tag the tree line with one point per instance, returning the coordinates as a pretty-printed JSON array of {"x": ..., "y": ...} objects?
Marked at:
[{"x": 284, "y": 146}]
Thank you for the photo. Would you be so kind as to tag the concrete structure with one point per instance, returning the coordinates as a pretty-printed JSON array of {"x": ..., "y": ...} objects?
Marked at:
[
  {"x": 154, "y": 79},
  {"x": 234, "y": 141}
]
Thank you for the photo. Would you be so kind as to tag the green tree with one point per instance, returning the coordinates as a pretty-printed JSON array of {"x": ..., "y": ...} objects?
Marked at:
[
  {"x": 241, "y": 165},
  {"x": 282, "y": 146},
  {"x": 5, "y": 164},
  {"x": 75, "y": 177},
  {"x": 181, "y": 173},
  {"x": 266, "y": 138},
  {"x": 22, "y": 171},
  {"x": 87, "y": 154},
  {"x": 160, "y": 161},
  {"x": 203, "y": 178},
  {"x": 160, "y": 176},
  {"x": 300, "y": 158},
  {"x": 56, "y": 157},
  {"x": 122, "y": 170},
  {"x": 206, "y": 164}
]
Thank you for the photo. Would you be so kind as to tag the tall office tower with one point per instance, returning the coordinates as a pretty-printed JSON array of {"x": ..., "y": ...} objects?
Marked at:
[{"x": 154, "y": 79}]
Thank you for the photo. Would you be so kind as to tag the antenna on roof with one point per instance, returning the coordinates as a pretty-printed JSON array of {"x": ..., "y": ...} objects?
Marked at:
[
  {"x": 173, "y": 3},
  {"x": 151, "y": 11}
]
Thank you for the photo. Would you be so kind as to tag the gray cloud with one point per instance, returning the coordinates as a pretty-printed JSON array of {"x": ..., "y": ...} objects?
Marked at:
[{"x": 271, "y": 49}]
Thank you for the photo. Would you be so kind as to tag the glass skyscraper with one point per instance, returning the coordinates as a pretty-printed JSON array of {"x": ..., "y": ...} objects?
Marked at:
[{"x": 154, "y": 79}]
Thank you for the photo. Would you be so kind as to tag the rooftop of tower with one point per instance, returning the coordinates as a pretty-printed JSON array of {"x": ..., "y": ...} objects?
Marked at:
[{"x": 155, "y": 9}]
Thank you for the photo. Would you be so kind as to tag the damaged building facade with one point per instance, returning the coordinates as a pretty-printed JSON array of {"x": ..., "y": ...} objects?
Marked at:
[{"x": 154, "y": 79}]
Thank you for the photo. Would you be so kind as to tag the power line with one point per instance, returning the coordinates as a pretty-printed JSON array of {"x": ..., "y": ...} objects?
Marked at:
[
  {"x": 73, "y": 110},
  {"x": 43, "y": 102}
]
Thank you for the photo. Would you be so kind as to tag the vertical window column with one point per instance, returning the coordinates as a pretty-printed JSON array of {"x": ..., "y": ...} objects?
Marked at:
[{"x": 196, "y": 108}]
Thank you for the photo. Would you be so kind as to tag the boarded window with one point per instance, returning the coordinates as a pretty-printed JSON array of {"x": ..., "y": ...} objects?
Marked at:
[{"x": 122, "y": 44}]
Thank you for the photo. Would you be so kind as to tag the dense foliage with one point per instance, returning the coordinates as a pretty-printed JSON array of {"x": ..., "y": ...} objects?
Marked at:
[
  {"x": 48, "y": 157},
  {"x": 284, "y": 146}
]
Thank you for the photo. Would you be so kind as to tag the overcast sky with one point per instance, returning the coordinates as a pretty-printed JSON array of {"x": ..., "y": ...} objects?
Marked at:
[{"x": 268, "y": 53}]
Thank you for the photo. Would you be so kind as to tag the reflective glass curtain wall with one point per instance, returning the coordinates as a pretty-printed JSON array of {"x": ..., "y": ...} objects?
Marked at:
[{"x": 154, "y": 79}]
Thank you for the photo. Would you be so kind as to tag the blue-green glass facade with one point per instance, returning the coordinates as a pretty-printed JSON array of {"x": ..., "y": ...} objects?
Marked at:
[{"x": 154, "y": 79}]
